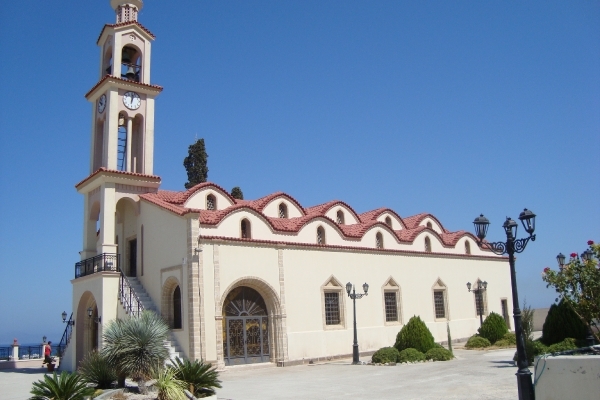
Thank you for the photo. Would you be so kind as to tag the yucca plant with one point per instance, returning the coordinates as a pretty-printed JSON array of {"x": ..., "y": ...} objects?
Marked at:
[
  {"x": 95, "y": 369},
  {"x": 168, "y": 386},
  {"x": 201, "y": 378},
  {"x": 65, "y": 386},
  {"x": 135, "y": 346}
]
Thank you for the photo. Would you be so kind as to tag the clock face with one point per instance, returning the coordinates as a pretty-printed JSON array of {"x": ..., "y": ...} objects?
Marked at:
[
  {"x": 101, "y": 103},
  {"x": 132, "y": 100}
]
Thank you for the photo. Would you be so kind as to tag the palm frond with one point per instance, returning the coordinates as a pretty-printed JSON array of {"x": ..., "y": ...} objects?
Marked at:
[
  {"x": 201, "y": 378},
  {"x": 65, "y": 386}
]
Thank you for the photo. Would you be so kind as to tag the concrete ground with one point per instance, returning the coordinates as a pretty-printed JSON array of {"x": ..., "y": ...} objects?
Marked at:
[{"x": 472, "y": 375}]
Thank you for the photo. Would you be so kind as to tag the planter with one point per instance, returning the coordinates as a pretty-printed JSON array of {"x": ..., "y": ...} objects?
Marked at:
[{"x": 50, "y": 367}]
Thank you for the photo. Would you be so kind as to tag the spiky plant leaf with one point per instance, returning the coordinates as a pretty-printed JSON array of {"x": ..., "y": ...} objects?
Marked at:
[
  {"x": 201, "y": 378},
  {"x": 168, "y": 386},
  {"x": 95, "y": 369},
  {"x": 136, "y": 345},
  {"x": 65, "y": 386}
]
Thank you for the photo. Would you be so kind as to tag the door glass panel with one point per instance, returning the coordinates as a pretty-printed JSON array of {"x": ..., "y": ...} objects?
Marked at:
[
  {"x": 253, "y": 345},
  {"x": 236, "y": 338}
]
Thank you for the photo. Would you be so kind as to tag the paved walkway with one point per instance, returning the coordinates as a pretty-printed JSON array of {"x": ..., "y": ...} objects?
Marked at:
[{"x": 477, "y": 375}]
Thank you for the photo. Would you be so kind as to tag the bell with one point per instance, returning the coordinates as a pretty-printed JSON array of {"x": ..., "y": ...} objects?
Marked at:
[
  {"x": 130, "y": 74},
  {"x": 125, "y": 56}
]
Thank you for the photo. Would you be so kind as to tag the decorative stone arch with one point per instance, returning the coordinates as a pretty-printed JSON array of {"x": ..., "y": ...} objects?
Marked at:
[
  {"x": 170, "y": 309},
  {"x": 87, "y": 329},
  {"x": 276, "y": 322}
]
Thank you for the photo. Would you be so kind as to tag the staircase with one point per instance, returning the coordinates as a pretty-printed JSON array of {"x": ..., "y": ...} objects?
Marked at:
[{"x": 147, "y": 304}]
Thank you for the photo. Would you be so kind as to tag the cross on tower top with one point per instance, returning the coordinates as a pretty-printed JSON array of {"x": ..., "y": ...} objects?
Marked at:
[{"x": 126, "y": 10}]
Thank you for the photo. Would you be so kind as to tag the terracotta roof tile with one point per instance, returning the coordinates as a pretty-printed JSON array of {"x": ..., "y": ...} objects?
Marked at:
[
  {"x": 114, "y": 171},
  {"x": 106, "y": 77},
  {"x": 125, "y": 24}
]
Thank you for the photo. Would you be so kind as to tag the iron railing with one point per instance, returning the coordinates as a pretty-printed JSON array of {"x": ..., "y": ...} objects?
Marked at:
[
  {"x": 29, "y": 352},
  {"x": 128, "y": 297},
  {"x": 6, "y": 353},
  {"x": 100, "y": 263},
  {"x": 66, "y": 338}
]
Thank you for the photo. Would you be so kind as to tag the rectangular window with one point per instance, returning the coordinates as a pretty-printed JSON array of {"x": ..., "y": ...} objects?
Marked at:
[
  {"x": 479, "y": 306},
  {"x": 391, "y": 307},
  {"x": 332, "y": 308},
  {"x": 438, "y": 299}
]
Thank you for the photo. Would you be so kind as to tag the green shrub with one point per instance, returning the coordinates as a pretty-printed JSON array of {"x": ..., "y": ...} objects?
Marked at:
[
  {"x": 95, "y": 369},
  {"x": 533, "y": 348},
  {"x": 438, "y": 354},
  {"x": 503, "y": 343},
  {"x": 410, "y": 355},
  {"x": 561, "y": 323},
  {"x": 493, "y": 328},
  {"x": 200, "y": 378},
  {"x": 415, "y": 335},
  {"x": 477, "y": 342},
  {"x": 385, "y": 355},
  {"x": 65, "y": 386},
  {"x": 511, "y": 338},
  {"x": 567, "y": 344}
]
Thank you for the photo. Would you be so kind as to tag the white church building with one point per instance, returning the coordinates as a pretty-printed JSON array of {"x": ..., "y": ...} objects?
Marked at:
[{"x": 249, "y": 281}]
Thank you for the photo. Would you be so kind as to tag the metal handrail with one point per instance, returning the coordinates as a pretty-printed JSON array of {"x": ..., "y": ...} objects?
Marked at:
[
  {"x": 66, "y": 337},
  {"x": 128, "y": 297},
  {"x": 100, "y": 263}
]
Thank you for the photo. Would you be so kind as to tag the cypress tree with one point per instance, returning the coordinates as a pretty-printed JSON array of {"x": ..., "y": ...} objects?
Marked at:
[
  {"x": 561, "y": 323},
  {"x": 196, "y": 164},
  {"x": 237, "y": 193}
]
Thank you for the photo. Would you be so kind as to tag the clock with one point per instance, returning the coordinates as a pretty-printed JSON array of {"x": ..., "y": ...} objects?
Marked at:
[
  {"x": 132, "y": 100},
  {"x": 101, "y": 104}
]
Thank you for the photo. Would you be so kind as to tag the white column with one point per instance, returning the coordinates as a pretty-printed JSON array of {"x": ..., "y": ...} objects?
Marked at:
[{"x": 129, "y": 134}]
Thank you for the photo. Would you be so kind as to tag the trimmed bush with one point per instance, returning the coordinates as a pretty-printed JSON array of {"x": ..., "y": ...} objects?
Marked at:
[
  {"x": 511, "y": 338},
  {"x": 415, "y": 335},
  {"x": 561, "y": 323},
  {"x": 477, "y": 342},
  {"x": 385, "y": 355},
  {"x": 493, "y": 328},
  {"x": 502, "y": 343},
  {"x": 567, "y": 344},
  {"x": 410, "y": 355},
  {"x": 438, "y": 354}
]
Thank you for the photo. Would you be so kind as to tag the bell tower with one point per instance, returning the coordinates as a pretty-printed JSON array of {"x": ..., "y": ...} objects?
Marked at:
[{"x": 122, "y": 129}]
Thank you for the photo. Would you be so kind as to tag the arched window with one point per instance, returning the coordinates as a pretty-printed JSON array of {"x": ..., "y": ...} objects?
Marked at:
[
  {"x": 427, "y": 244},
  {"x": 211, "y": 202},
  {"x": 429, "y": 224},
  {"x": 379, "y": 240},
  {"x": 177, "y": 308},
  {"x": 245, "y": 229},
  {"x": 340, "y": 217},
  {"x": 388, "y": 221},
  {"x": 283, "y": 211},
  {"x": 320, "y": 235},
  {"x": 467, "y": 247}
]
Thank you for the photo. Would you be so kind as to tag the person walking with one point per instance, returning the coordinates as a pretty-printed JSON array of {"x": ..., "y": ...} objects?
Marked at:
[{"x": 48, "y": 353}]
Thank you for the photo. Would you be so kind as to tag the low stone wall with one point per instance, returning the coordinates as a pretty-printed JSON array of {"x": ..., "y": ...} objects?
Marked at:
[
  {"x": 567, "y": 377},
  {"x": 31, "y": 363}
]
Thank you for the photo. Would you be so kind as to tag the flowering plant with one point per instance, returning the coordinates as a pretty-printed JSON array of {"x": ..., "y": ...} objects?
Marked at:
[{"x": 578, "y": 284}]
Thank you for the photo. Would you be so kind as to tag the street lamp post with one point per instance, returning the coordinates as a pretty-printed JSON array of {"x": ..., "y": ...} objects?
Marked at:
[
  {"x": 354, "y": 296},
  {"x": 481, "y": 287},
  {"x": 510, "y": 247},
  {"x": 585, "y": 257}
]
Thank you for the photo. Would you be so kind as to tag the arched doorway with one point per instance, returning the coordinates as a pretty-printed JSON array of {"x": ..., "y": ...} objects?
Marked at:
[
  {"x": 87, "y": 328},
  {"x": 245, "y": 327}
]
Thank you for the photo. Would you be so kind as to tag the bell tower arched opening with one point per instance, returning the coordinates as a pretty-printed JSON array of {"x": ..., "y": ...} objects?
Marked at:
[{"x": 131, "y": 63}]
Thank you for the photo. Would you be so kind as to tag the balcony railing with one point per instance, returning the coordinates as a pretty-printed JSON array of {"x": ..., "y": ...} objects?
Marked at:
[{"x": 100, "y": 263}]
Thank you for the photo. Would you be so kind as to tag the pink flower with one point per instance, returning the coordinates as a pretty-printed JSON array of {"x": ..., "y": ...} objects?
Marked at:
[
  {"x": 590, "y": 242},
  {"x": 546, "y": 270},
  {"x": 573, "y": 255}
]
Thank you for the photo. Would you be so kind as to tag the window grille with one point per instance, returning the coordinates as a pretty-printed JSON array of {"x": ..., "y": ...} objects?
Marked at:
[
  {"x": 379, "y": 240},
  {"x": 391, "y": 307},
  {"x": 388, "y": 221},
  {"x": 283, "y": 211},
  {"x": 340, "y": 217},
  {"x": 427, "y": 245},
  {"x": 438, "y": 299},
  {"x": 245, "y": 228},
  {"x": 479, "y": 303},
  {"x": 320, "y": 235},
  {"x": 332, "y": 308},
  {"x": 467, "y": 247},
  {"x": 210, "y": 202}
]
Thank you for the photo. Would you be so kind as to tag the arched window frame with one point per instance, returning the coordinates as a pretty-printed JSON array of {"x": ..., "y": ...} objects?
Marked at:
[
  {"x": 388, "y": 221},
  {"x": 211, "y": 202},
  {"x": 392, "y": 303},
  {"x": 177, "y": 308},
  {"x": 245, "y": 229},
  {"x": 283, "y": 210},
  {"x": 340, "y": 219},
  {"x": 427, "y": 244},
  {"x": 467, "y": 247},
  {"x": 321, "y": 240},
  {"x": 378, "y": 240},
  {"x": 429, "y": 225},
  {"x": 439, "y": 293},
  {"x": 333, "y": 305}
]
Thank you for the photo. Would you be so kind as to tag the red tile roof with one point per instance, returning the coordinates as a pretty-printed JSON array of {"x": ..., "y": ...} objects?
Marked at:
[
  {"x": 174, "y": 202},
  {"x": 114, "y": 171},
  {"x": 125, "y": 24},
  {"x": 106, "y": 77}
]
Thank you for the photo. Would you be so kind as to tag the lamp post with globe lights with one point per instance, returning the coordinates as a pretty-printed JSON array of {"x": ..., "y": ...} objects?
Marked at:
[
  {"x": 353, "y": 295},
  {"x": 510, "y": 247}
]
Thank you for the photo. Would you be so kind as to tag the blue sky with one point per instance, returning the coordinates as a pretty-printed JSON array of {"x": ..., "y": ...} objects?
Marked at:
[{"x": 452, "y": 108}]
